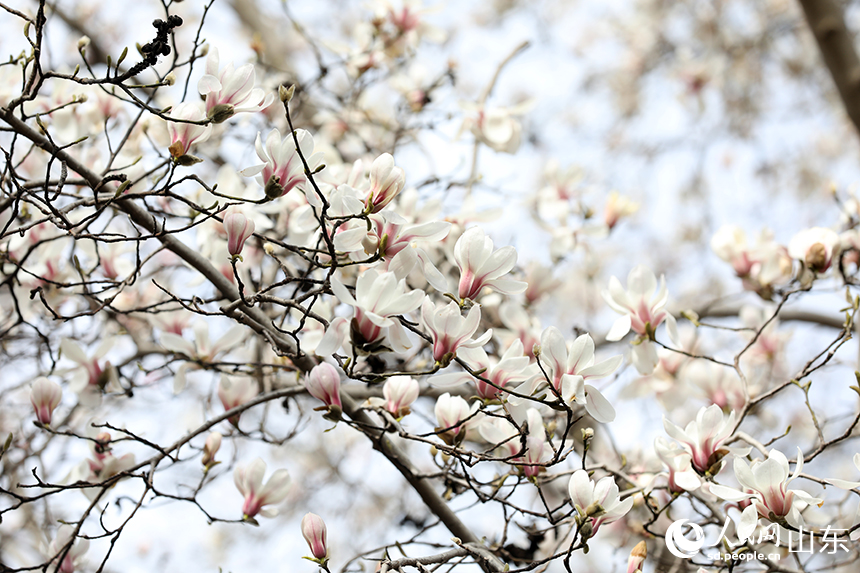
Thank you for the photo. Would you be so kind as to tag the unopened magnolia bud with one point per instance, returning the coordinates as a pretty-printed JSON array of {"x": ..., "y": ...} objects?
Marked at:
[
  {"x": 586, "y": 530},
  {"x": 83, "y": 42},
  {"x": 269, "y": 248},
  {"x": 286, "y": 93},
  {"x": 314, "y": 532},
  {"x": 81, "y": 98},
  {"x": 204, "y": 50},
  {"x": 45, "y": 396},
  {"x": 587, "y": 434},
  {"x": 170, "y": 79}
]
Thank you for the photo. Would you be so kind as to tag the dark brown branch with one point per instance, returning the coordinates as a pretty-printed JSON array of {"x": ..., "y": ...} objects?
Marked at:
[{"x": 827, "y": 22}]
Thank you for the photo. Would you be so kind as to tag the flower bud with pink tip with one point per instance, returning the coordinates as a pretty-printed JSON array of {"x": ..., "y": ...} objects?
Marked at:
[
  {"x": 238, "y": 228},
  {"x": 323, "y": 382},
  {"x": 400, "y": 392},
  {"x": 386, "y": 181},
  {"x": 249, "y": 482},
  {"x": 45, "y": 396},
  {"x": 314, "y": 532}
]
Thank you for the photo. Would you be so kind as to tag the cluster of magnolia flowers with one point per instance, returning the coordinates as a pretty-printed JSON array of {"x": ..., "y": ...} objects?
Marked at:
[{"x": 767, "y": 265}]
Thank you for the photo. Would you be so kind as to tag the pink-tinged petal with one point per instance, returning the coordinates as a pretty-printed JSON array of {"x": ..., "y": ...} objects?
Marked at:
[
  {"x": 728, "y": 493},
  {"x": 208, "y": 84},
  {"x": 616, "y": 297},
  {"x": 744, "y": 475},
  {"x": 598, "y": 406},
  {"x": 644, "y": 357},
  {"x": 499, "y": 263},
  {"x": 212, "y": 61}
]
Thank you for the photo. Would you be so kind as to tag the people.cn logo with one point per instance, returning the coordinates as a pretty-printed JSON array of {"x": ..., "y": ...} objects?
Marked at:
[{"x": 679, "y": 545}]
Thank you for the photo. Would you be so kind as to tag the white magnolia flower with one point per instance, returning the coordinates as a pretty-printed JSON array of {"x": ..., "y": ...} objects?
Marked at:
[
  {"x": 481, "y": 266},
  {"x": 450, "y": 330},
  {"x": 682, "y": 477},
  {"x": 45, "y": 396},
  {"x": 199, "y": 350},
  {"x": 703, "y": 437},
  {"x": 184, "y": 135},
  {"x": 765, "y": 484},
  {"x": 643, "y": 309},
  {"x": 378, "y": 297},
  {"x": 599, "y": 501},
  {"x": 512, "y": 367},
  {"x": 451, "y": 412},
  {"x": 230, "y": 91},
  {"x": 569, "y": 368},
  {"x": 400, "y": 392},
  {"x": 249, "y": 482},
  {"x": 282, "y": 169}
]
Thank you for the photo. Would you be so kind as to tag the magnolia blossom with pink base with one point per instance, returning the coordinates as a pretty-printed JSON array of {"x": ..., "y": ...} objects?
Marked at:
[
  {"x": 184, "y": 135},
  {"x": 450, "y": 330},
  {"x": 45, "y": 396},
  {"x": 481, "y": 266},
  {"x": 282, "y": 169},
  {"x": 705, "y": 436},
  {"x": 386, "y": 182},
  {"x": 230, "y": 91},
  {"x": 643, "y": 309},
  {"x": 599, "y": 501},
  {"x": 400, "y": 392},
  {"x": 765, "y": 484},
  {"x": 249, "y": 482}
]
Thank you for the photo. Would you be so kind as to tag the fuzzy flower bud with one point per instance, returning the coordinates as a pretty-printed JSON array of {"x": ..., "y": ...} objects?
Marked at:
[
  {"x": 45, "y": 396},
  {"x": 314, "y": 532}
]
